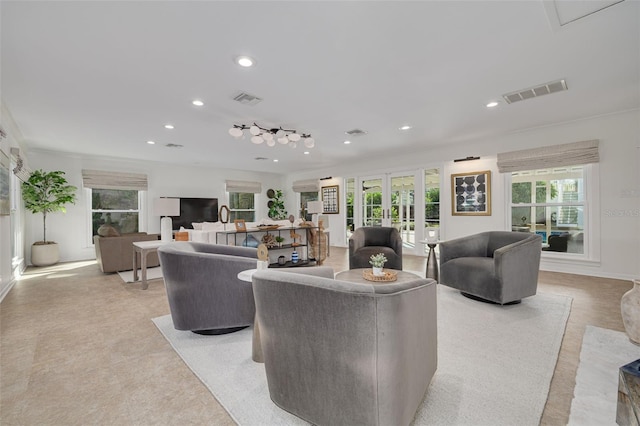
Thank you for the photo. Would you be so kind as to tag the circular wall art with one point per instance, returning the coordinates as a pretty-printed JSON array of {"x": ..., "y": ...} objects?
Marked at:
[{"x": 271, "y": 193}]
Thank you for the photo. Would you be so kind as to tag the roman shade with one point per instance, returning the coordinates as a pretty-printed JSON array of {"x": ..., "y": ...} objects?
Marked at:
[
  {"x": 569, "y": 154},
  {"x": 309, "y": 185},
  {"x": 114, "y": 180},
  {"x": 243, "y": 186}
]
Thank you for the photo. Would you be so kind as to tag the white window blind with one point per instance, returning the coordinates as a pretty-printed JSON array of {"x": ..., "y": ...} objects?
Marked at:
[
  {"x": 310, "y": 185},
  {"x": 569, "y": 154},
  {"x": 243, "y": 186},
  {"x": 114, "y": 180}
]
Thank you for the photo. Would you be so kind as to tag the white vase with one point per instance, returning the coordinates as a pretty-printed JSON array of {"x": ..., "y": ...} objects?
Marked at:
[
  {"x": 377, "y": 271},
  {"x": 630, "y": 310}
]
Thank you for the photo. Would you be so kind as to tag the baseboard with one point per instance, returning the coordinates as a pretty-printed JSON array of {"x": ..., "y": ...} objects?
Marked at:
[{"x": 6, "y": 289}]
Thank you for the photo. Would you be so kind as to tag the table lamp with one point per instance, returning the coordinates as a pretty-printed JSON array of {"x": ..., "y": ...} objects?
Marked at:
[
  {"x": 166, "y": 207},
  {"x": 314, "y": 208}
]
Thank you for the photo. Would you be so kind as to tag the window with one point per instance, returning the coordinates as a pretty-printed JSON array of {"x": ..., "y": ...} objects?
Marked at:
[
  {"x": 431, "y": 199},
  {"x": 551, "y": 203},
  {"x": 304, "y": 198},
  {"x": 242, "y": 206},
  {"x": 119, "y": 208},
  {"x": 350, "y": 193}
]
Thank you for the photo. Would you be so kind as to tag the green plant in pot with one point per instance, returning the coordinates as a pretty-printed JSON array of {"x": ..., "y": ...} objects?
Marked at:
[
  {"x": 46, "y": 192},
  {"x": 276, "y": 206}
]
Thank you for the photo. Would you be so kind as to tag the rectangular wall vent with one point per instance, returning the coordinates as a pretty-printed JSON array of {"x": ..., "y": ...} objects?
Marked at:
[
  {"x": 355, "y": 132},
  {"x": 533, "y": 92},
  {"x": 247, "y": 99}
]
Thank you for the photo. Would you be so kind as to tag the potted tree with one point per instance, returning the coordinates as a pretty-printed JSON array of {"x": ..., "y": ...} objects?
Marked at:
[{"x": 46, "y": 192}]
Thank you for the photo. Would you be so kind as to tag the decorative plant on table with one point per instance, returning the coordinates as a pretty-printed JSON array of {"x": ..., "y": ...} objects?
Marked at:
[
  {"x": 377, "y": 261},
  {"x": 46, "y": 192},
  {"x": 276, "y": 206}
]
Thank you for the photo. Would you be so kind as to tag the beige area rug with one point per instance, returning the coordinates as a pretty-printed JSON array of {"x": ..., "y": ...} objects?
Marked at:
[
  {"x": 152, "y": 274},
  {"x": 595, "y": 396},
  {"x": 494, "y": 364}
]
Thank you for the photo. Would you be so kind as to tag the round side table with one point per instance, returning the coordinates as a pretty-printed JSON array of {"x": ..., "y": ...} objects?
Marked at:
[
  {"x": 432, "y": 262},
  {"x": 256, "y": 347}
]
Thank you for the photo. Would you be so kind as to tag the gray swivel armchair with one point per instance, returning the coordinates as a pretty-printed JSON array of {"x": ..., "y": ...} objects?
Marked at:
[
  {"x": 345, "y": 353},
  {"x": 204, "y": 292},
  {"x": 497, "y": 266},
  {"x": 369, "y": 240}
]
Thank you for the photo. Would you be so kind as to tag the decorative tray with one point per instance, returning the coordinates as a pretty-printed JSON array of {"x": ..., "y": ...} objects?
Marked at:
[
  {"x": 387, "y": 276},
  {"x": 267, "y": 227}
]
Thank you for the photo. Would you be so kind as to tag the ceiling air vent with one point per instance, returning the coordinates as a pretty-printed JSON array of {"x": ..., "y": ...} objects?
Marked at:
[
  {"x": 533, "y": 92},
  {"x": 261, "y": 158},
  {"x": 247, "y": 99},
  {"x": 356, "y": 132},
  {"x": 173, "y": 145}
]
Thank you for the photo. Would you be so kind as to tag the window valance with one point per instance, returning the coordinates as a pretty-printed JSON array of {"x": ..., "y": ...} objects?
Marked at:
[
  {"x": 114, "y": 180},
  {"x": 243, "y": 186},
  {"x": 309, "y": 185},
  {"x": 569, "y": 154}
]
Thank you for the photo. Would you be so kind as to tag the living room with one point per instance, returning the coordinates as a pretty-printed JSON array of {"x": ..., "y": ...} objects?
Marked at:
[{"x": 51, "y": 125}]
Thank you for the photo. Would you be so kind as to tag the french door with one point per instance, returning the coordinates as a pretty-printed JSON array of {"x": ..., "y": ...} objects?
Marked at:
[{"x": 389, "y": 200}]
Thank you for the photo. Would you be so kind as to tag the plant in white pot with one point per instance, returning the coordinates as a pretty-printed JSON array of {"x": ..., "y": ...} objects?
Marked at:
[
  {"x": 377, "y": 261},
  {"x": 46, "y": 192}
]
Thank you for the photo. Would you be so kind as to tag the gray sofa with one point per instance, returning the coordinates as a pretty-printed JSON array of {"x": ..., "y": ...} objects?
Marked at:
[
  {"x": 116, "y": 253},
  {"x": 497, "y": 266},
  {"x": 345, "y": 353},
  {"x": 369, "y": 240},
  {"x": 204, "y": 292}
]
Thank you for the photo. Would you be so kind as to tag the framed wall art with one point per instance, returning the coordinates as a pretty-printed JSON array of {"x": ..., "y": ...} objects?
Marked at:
[
  {"x": 331, "y": 199},
  {"x": 241, "y": 226},
  {"x": 471, "y": 194}
]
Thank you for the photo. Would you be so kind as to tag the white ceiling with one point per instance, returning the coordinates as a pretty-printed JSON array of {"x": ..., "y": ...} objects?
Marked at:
[{"x": 101, "y": 78}]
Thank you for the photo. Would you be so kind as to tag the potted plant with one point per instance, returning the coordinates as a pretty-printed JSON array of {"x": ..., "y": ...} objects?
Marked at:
[
  {"x": 279, "y": 240},
  {"x": 377, "y": 261},
  {"x": 276, "y": 206},
  {"x": 46, "y": 192}
]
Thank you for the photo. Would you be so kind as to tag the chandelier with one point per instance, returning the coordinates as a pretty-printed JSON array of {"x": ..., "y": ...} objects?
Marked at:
[{"x": 271, "y": 136}]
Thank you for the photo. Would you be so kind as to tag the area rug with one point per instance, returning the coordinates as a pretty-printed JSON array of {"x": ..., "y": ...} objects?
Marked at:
[
  {"x": 595, "y": 396},
  {"x": 152, "y": 274},
  {"x": 495, "y": 364}
]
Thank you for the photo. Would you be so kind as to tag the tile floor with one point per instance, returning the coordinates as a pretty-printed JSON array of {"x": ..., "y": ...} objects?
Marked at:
[{"x": 77, "y": 347}]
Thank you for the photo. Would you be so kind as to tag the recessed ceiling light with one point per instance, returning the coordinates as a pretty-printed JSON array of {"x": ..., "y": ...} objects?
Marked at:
[
  {"x": 198, "y": 102},
  {"x": 492, "y": 104},
  {"x": 275, "y": 160},
  {"x": 306, "y": 153},
  {"x": 405, "y": 127},
  {"x": 346, "y": 142},
  {"x": 151, "y": 142},
  {"x": 245, "y": 61},
  {"x": 169, "y": 126}
]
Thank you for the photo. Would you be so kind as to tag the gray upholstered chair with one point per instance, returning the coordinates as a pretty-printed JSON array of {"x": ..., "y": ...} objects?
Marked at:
[
  {"x": 204, "y": 292},
  {"x": 369, "y": 240},
  {"x": 345, "y": 353},
  {"x": 497, "y": 266}
]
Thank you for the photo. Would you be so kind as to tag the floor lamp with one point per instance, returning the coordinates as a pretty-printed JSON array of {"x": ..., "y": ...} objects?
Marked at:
[{"x": 166, "y": 207}]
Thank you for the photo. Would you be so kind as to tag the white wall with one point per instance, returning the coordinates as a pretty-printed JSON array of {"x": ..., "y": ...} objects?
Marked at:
[
  {"x": 10, "y": 267},
  {"x": 617, "y": 251},
  {"x": 70, "y": 229}
]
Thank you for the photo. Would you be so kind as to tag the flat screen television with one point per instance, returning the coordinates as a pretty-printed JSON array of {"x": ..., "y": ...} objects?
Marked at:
[{"x": 195, "y": 210}]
